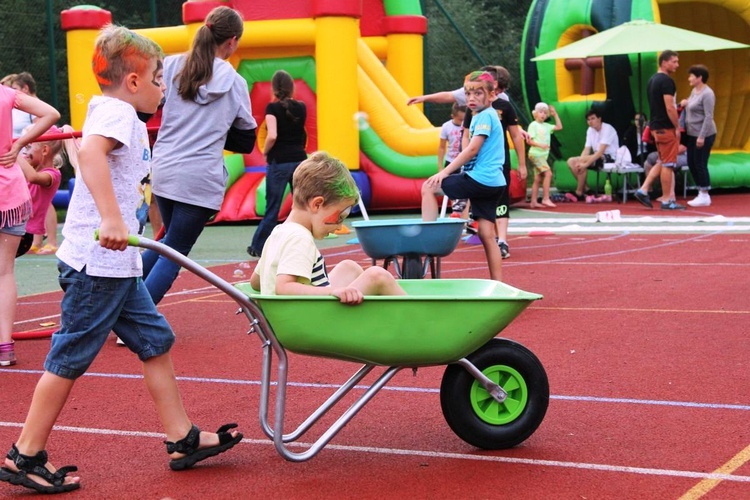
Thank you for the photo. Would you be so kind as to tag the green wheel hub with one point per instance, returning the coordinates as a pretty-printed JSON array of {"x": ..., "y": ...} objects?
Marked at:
[{"x": 491, "y": 411}]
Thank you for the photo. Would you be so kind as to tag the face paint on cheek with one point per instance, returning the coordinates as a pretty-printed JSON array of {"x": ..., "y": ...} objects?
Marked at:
[{"x": 336, "y": 219}]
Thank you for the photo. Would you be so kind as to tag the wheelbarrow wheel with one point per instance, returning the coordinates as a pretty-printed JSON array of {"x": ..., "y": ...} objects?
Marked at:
[
  {"x": 413, "y": 267},
  {"x": 479, "y": 419}
]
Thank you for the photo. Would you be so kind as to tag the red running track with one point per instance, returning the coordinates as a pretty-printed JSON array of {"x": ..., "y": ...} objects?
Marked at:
[{"x": 643, "y": 338}]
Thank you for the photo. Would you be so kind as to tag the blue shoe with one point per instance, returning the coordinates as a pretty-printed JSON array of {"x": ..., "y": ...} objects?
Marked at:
[
  {"x": 672, "y": 205},
  {"x": 644, "y": 199}
]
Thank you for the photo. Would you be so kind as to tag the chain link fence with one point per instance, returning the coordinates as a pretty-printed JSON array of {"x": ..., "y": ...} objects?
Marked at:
[{"x": 464, "y": 36}]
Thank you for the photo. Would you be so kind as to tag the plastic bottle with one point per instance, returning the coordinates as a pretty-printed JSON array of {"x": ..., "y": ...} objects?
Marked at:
[{"x": 607, "y": 188}]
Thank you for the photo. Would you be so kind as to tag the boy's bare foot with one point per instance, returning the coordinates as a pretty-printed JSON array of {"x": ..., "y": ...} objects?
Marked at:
[
  {"x": 534, "y": 204},
  {"x": 549, "y": 204}
]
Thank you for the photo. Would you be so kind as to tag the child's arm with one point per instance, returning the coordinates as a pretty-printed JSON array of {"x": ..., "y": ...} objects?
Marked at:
[
  {"x": 271, "y": 136},
  {"x": 463, "y": 157},
  {"x": 441, "y": 153},
  {"x": 445, "y": 97},
  {"x": 286, "y": 284},
  {"x": 47, "y": 117},
  {"x": 518, "y": 145},
  {"x": 558, "y": 123},
  {"x": 44, "y": 179},
  {"x": 255, "y": 281},
  {"x": 94, "y": 169}
]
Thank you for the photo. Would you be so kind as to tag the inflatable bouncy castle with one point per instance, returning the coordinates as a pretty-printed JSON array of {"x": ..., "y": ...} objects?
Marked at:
[
  {"x": 355, "y": 63},
  {"x": 611, "y": 83}
]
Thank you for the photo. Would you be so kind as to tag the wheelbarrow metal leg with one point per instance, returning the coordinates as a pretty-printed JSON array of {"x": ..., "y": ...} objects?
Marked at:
[{"x": 329, "y": 434}]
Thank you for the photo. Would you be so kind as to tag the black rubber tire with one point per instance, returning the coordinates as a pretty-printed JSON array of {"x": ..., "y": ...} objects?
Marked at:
[
  {"x": 465, "y": 417},
  {"x": 413, "y": 267}
]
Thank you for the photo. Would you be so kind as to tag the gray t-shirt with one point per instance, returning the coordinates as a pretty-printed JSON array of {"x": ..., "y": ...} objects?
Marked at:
[
  {"x": 699, "y": 116},
  {"x": 188, "y": 160}
]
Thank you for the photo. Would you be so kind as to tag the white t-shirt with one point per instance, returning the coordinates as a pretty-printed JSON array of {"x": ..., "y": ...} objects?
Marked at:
[
  {"x": 128, "y": 164},
  {"x": 290, "y": 249},
  {"x": 451, "y": 133},
  {"x": 21, "y": 120},
  {"x": 606, "y": 135}
]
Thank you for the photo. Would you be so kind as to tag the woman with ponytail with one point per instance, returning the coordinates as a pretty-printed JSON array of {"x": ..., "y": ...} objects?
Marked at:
[
  {"x": 206, "y": 110},
  {"x": 283, "y": 151}
]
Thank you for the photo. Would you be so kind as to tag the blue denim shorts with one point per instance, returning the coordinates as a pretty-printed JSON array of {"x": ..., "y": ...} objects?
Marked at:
[
  {"x": 91, "y": 308},
  {"x": 18, "y": 230}
]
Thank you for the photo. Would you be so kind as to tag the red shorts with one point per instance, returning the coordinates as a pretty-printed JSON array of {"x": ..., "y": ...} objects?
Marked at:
[{"x": 667, "y": 146}]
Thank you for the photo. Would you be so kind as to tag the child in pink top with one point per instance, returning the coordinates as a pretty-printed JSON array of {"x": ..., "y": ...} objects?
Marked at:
[
  {"x": 40, "y": 163},
  {"x": 15, "y": 204}
]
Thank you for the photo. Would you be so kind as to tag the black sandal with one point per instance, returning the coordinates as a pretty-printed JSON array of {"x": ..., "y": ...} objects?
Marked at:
[
  {"x": 190, "y": 443},
  {"x": 36, "y": 466}
]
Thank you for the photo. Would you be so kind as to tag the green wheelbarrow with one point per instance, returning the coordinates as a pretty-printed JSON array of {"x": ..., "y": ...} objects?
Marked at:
[{"x": 494, "y": 392}]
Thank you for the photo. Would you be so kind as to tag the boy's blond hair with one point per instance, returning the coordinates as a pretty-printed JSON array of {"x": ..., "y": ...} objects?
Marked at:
[
  {"x": 541, "y": 106},
  {"x": 323, "y": 175},
  {"x": 119, "y": 51}
]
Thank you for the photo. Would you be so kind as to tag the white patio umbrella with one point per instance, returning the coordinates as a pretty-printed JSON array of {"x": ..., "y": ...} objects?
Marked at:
[{"x": 637, "y": 37}]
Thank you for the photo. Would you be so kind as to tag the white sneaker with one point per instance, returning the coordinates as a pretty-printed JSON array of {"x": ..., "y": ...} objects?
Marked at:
[
  {"x": 702, "y": 200},
  {"x": 119, "y": 341}
]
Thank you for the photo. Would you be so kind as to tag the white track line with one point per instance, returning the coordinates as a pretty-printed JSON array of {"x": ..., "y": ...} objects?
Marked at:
[
  {"x": 649, "y": 471},
  {"x": 308, "y": 385}
]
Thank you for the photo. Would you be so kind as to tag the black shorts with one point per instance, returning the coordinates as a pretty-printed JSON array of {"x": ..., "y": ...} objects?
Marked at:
[
  {"x": 503, "y": 203},
  {"x": 600, "y": 162},
  {"x": 484, "y": 199}
]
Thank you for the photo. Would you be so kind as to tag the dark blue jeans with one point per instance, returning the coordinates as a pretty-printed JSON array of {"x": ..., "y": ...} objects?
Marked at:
[
  {"x": 698, "y": 160},
  {"x": 278, "y": 175},
  {"x": 183, "y": 224}
]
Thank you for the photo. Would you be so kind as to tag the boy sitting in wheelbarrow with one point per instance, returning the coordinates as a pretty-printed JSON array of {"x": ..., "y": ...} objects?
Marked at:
[
  {"x": 482, "y": 180},
  {"x": 324, "y": 194}
]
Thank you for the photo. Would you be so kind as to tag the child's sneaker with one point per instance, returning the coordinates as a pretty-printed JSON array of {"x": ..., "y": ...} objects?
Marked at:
[
  {"x": 504, "y": 249},
  {"x": 672, "y": 205},
  {"x": 472, "y": 227},
  {"x": 7, "y": 354}
]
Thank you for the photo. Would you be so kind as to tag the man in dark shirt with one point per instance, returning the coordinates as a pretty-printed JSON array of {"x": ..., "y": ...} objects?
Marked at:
[{"x": 665, "y": 128}]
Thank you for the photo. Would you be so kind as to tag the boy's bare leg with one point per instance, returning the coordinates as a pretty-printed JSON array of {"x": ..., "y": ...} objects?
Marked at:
[
  {"x": 344, "y": 273},
  {"x": 8, "y": 291},
  {"x": 535, "y": 192},
  {"x": 581, "y": 174},
  {"x": 667, "y": 186},
  {"x": 378, "y": 281},
  {"x": 160, "y": 380},
  {"x": 50, "y": 226},
  {"x": 429, "y": 204},
  {"x": 501, "y": 226},
  {"x": 49, "y": 398},
  {"x": 491, "y": 250},
  {"x": 653, "y": 174},
  {"x": 547, "y": 181}
]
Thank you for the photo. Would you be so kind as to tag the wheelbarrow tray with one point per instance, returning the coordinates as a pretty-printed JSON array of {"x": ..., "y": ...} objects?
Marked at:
[
  {"x": 440, "y": 321},
  {"x": 381, "y": 239}
]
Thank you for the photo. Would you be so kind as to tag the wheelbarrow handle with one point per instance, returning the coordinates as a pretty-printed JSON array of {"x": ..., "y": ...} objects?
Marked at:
[{"x": 133, "y": 240}]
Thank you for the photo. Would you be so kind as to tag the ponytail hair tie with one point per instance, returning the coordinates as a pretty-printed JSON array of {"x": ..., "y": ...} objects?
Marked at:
[{"x": 209, "y": 26}]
